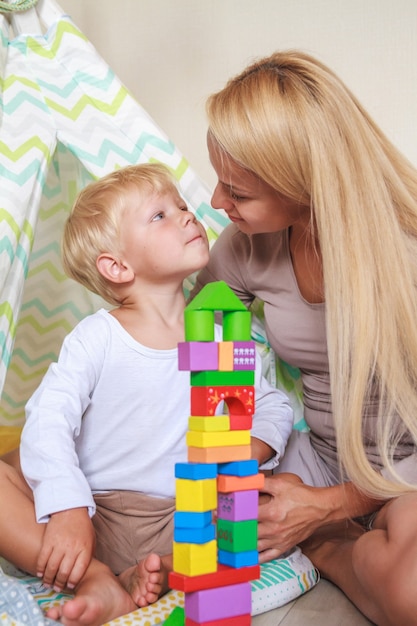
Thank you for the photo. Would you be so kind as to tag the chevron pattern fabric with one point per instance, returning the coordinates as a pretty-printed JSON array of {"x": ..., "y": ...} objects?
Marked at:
[{"x": 65, "y": 120}]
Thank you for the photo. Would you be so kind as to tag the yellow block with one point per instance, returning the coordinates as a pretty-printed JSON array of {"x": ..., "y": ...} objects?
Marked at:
[
  {"x": 217, "y": 439},
  {"x": 222, "y": 454},
  {"x": 209, "y": 423},
  {"x": 193, "y": 559},
  {"x": 195, "y": 495}
]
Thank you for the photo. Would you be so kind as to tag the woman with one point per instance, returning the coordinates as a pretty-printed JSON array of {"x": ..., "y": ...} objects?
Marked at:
[{"x": 324, "y": 232}]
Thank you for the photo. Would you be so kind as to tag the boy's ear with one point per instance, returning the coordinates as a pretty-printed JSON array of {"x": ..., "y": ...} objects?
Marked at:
[{"x": 113, "y": 269}]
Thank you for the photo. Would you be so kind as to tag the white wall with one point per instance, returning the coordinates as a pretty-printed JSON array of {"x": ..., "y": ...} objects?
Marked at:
[{"x": 172, "y": 53}]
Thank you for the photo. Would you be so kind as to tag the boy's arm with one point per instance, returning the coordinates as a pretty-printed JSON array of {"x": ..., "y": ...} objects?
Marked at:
[
  {"x": 272, "y": 421},
  {"x": 67, "y": 549}
]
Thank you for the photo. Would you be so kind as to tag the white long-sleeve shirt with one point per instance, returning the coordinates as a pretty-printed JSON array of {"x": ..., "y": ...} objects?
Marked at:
[{"x": 112, "y": 414}]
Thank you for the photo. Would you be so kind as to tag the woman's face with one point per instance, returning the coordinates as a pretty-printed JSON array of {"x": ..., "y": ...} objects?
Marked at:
[{"x": 251, "y": 203}]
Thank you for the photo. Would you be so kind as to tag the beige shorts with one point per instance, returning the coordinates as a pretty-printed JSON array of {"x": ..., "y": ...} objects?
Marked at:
[{"x": 129, "y": 525}]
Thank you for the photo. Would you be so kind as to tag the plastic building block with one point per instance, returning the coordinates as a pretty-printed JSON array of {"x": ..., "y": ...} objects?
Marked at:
[
  {"x": 191, "y": 519},
  {"x": 240, "y": 422},
  {"x": 239, "y": 399},
  {"x": 194, "y": 356},
  {"x": 239, "y": 468},
  {"x": 211, "y": 423},
  {"x": 195, "y": 535},
  {"x": 244, "y": 355},
  {"x": 236, "y": 620},
  {"x": 238, "y": 559},
  {"x": 238, "y": 505},
  {"x": 237, "y": 536},
  {"x": 219, "y": 454},
  {"x": 223, "y": 576},
  {"x": 226, "y": 356},
  {"x": 199, "y": 325},
  {"x": 237, "y": 326},
  {"x": 216, "y": 296},
  {"x": 211, "y": 440},
  {"x": 205, "y": 378},
  {"x": 195, "y": 471},
  {"x": 176, "y": 618},
  {"x": 195, "y": 495},
  {"x": 218, "y": 603},
  {"x": 193, "y": 559},
  {"x": 226, "y": 484}
]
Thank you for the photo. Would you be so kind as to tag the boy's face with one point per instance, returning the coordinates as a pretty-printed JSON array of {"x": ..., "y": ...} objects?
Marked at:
[{"x": 161, "y": 238}]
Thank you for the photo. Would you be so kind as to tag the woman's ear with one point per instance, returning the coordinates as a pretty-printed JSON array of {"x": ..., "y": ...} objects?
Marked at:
[{"x": 113, "y": 269}]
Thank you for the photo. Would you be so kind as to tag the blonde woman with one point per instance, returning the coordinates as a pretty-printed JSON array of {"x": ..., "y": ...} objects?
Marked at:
[{"x": 324, "y": 231}]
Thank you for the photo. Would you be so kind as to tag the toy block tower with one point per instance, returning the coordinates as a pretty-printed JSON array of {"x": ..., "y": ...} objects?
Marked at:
[{"x": 214, "y": 561}]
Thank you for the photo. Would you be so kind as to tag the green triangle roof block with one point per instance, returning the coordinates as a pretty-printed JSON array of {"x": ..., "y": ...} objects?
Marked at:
[{"x": 216, "y": 296}]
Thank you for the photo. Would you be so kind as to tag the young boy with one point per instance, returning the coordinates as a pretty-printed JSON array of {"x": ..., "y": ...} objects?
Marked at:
[{"x": 108, "y": 422}]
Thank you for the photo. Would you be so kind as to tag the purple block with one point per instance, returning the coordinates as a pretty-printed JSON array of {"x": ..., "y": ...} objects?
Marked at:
[
  {"x": 198, "y": 356},
  {"x": 238, "y": 506},
  {"x": 244, "y": 355},
  {"x": 218, "y": 603}
]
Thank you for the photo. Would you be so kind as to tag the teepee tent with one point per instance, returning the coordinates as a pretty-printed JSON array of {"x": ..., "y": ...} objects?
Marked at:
[{"x": 65, "y": 120}]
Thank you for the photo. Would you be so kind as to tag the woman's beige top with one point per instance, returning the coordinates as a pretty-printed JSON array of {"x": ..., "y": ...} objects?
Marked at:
[{"x": 260, "y": 266}]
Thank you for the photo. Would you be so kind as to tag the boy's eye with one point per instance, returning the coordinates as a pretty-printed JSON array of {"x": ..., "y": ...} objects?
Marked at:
[
  {"x": 158, "y": 216},
  {"x": 184, "y": 208}
]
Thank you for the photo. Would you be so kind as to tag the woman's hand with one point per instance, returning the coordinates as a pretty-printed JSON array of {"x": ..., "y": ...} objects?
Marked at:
[{"x": 289, "y": 512}]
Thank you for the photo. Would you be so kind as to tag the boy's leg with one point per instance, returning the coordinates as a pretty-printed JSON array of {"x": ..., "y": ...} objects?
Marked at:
[{"x": 98, "y": 598}]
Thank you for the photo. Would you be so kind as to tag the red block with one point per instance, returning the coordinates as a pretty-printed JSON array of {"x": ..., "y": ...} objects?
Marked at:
[
  {"x": 225, "y": 575},
  {"x": 239, "y": 399}
]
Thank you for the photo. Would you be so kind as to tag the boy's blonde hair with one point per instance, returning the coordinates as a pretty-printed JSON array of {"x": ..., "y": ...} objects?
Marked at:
[
  {"x": 93, "y": 226},
  {"x": 291, "y": 121}
]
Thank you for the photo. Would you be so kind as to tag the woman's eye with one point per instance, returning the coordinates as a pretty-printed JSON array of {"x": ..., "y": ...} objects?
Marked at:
[{"x": 234, "y": 196}]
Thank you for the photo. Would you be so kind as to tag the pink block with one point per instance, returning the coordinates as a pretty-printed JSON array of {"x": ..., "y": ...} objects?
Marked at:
[
  {"x": 238, "y": 506},
  {"x": 244, "y": 355},
  {"x": 218, "y": 603},
  {"x": 198, "y": 356}
]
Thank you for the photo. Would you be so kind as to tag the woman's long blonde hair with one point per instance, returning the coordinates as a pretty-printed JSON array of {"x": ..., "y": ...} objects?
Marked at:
[{"x": 292, "y": 122}]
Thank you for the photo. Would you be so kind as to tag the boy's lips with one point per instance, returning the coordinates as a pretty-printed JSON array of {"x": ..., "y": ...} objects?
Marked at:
[{"x": 195, "y": 238}]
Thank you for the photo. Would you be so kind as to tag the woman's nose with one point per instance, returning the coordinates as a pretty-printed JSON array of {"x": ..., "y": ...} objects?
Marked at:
[{"x": 219, "y": 200}]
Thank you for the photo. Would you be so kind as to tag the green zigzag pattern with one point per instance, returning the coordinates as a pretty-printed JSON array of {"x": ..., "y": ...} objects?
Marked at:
[{"x": 53, "y": 89}]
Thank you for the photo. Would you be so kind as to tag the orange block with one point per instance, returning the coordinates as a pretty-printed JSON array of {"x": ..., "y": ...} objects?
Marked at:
[
  {"x": 226, "y": 484},
  {"x": 226, "y": 356},
  {"x": 219, "y": 454}
]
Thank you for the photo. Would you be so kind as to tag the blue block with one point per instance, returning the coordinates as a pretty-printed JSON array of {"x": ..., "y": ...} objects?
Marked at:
[
  {"x": 195, "y": 471},
  {"x": 239, "y": 468},
  {"x": 238, "y": 559},
  {"x": 192, "y": 519},
  {"x": 195, "y": 535}
]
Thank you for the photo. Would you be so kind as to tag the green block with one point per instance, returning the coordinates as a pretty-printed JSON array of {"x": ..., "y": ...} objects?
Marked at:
[
  {"x": 222, "y": 379},
  {"x": 176, "y": 618},
  {"x": 237, "y": 326},
  {"x": 199, "y": 325},
  {"x": 237, "y": 536},
  {"x": 216, "y": 296}
]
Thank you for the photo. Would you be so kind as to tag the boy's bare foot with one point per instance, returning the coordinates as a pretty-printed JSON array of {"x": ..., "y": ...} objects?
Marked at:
[
  {"x": 99, "y": 598},
  {"x": 148, "y": 580}
]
